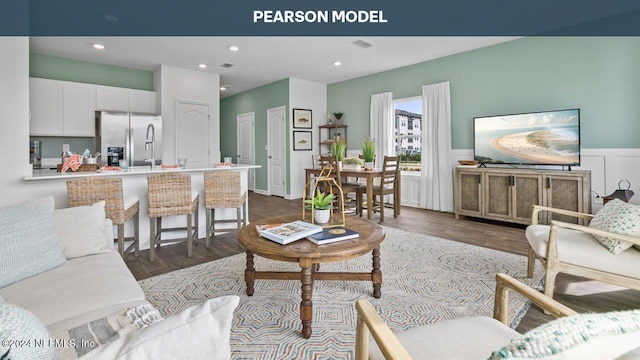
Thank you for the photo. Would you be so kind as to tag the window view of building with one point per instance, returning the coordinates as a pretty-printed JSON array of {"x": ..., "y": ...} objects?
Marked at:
[{"x": 408, "y": 133}]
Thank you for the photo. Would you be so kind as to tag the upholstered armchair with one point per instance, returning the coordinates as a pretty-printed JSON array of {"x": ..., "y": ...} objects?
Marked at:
[
  {"x": 585, "y": 336},
  {"x": 574, "y": 249}
]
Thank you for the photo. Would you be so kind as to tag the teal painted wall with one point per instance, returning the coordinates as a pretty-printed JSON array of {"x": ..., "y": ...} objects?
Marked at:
[
  {"x": 52, "y": 146},
  {"x": 599, "y": 75},
  {"x": 59, "y": 68},
  {"x": 257, "y": 100}
]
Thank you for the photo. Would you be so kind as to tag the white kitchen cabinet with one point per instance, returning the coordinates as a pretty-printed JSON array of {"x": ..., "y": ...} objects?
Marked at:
[
  {"x": 112, "y": 98},
  {"x": 129, "y": 100},
  {"x": 45, "y": 98},
  {"x": 79, "y": 104},
  {"x": 142, "y": 101}
]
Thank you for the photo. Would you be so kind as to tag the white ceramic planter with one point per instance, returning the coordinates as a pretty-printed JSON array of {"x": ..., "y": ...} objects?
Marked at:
[
  {"x": 322, "y": 216},
  {"x": 352, "y": 167},
  {"x": 368, "y": 165}
]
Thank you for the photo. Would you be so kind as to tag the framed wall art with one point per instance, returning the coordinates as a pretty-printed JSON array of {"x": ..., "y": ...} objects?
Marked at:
[
  {"x": 301, "y": 119},
  {"x": 302, "y": 140}
]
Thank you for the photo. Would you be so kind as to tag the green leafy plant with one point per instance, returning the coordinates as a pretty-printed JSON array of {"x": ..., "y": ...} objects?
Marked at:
[
  {"x": 337, "y": 149},
  {"x": 321, "y": 201},
  {"x": 352, "y": 161},
  {"x": 368, "y": 149}
]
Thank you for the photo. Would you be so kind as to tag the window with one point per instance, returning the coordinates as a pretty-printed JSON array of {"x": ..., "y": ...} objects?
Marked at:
[{"x": 408, "y": 134}]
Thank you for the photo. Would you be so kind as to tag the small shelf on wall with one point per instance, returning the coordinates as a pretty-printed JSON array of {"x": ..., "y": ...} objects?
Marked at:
[{"x": 328, "y": 134}]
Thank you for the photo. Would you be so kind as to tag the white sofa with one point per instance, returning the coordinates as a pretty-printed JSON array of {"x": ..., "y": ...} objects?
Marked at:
[{"x": 90, "y": 281}]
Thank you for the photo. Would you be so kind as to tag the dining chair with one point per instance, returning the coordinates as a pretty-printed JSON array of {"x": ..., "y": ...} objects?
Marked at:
[
  {"x": 389, "y": 185},
  {"x": 223, "y": 189},
  {"x": 119, "y": 208},
  {"x": 347, "y": 187},
  {"x": 170, "y": 194}
]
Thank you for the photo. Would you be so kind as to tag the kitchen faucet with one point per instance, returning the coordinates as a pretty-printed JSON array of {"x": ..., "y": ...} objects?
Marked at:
[{"x": 151, "y": 142}]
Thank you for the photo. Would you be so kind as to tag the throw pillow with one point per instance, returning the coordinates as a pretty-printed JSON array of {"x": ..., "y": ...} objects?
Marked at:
[
  {"x": 199, "y": 332},
  {"x": 569, "y": 333},
  {"x": 28, "y": 242},
  {"x": 617, "y": 217},
  {"x": 23, "y": 335},
  {"x": 80, "y": 230}
]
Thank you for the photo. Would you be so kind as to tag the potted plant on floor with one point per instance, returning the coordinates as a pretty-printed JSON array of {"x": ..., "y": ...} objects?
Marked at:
[
  {"x": 368, "y": 153},
  {"x": 321, "y": 206},
  {"x": 337, "y": 149}
]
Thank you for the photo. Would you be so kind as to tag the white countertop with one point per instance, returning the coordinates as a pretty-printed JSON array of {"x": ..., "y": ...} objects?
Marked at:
[{"x": 46, "y": 174}]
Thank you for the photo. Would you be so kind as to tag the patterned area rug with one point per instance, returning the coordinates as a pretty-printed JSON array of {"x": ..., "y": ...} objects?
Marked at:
[{"x": 424, "y": 280}]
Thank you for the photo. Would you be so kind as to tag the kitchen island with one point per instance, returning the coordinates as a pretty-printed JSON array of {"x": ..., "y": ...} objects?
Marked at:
[{"x": 134, "y": 183}]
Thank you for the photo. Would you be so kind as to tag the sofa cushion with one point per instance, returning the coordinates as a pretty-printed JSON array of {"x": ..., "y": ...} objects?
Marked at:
[
  {"x": 199, "y": 332},
  {"x": 584, "y": 336},
  {"x": 23, "y": 335},
  {"x": 617, "y": 217},
  {"x": 463, "y": 338},
  {"x": 28, "y": 242},
  {"x": 80, "y": 230},
  {"x": 81, "y": 290},
  {"x": 582, "y": 249}
]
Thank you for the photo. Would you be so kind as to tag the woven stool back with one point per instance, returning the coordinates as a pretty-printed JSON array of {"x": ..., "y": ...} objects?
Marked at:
[
  {"x": 170, "y": 194},
  {"x": 90, "y": 190},
  {"x": 222, "y": 189}
]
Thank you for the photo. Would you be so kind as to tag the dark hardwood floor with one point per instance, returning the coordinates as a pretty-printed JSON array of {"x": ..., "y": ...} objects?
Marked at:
[{"x": 582, "y": 295}]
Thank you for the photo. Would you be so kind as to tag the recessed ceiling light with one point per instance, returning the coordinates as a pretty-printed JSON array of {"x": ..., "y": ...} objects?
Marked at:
[
  {"x": 202, "y": 66},
  {"x": 234, "y": 48},
  {"x": 98, "y": 46},
  {"x": 222, "y": 88},
  {"x": 337, "y": 63}
]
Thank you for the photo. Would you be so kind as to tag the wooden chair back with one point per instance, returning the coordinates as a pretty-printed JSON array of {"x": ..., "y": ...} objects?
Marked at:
[{"x": 390, "y": 172}]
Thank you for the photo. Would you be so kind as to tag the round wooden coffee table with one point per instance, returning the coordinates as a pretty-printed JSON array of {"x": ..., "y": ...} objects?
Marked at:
[{"x": 309, "y": 256}]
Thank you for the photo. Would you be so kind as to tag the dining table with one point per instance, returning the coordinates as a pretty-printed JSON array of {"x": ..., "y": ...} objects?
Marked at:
[{"x": 369, "y": 175}]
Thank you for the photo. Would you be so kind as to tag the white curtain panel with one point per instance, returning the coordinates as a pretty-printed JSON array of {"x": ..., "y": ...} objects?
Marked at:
[
  {"x": 381, "y": 125},
  {"x": 437, "y": 167}
]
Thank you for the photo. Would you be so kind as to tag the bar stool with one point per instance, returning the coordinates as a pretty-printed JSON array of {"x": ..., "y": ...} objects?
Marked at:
[
  {"x": 170, "y": 194},
  {"x": 90, "y": 190},
  {"x": 222, "y": 189}
]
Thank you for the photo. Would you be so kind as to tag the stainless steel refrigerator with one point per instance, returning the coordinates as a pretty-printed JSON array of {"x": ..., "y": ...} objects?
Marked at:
[{"x": 121, "y": 135}]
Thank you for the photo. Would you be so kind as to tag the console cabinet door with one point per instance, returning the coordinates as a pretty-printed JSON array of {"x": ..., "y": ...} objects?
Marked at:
[
  {"x": 45, "y": 103},
  {"x": 527, "y": 191},
  {"x": 79, "y": 109},
  {"x": 497, "y": 195},
  {"x": 469, "y": 193},
  {"x": 564, "y": 192}
]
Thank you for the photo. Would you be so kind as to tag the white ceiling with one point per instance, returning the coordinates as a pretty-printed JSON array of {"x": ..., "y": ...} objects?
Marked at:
[{"x": 262, "y": 60}]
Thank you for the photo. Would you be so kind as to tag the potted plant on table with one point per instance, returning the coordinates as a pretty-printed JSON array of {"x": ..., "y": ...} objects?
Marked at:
[
  {"x": 352, "y": 163},
  {"x": 368, "y": 153},
  {"x": 321, "y": 206},
  {"x": 337, "y": 149}
]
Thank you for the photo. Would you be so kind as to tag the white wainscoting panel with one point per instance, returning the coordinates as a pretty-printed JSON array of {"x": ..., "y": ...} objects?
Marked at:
[{"x": 410, "y": 190}]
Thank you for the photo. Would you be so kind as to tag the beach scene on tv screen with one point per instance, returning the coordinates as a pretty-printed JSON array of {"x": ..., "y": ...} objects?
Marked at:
[{"x": 536, "y": 138}]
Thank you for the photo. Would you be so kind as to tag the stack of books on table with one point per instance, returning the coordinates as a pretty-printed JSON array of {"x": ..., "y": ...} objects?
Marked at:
[
  {"x": 333, "y": 234},
  {"x": 288, "y": 232}
]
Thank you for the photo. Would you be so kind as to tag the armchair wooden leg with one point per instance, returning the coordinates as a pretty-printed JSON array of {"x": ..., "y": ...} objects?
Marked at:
[
  {"x": 549, "y": 282},
  {"x": 531, "y": 262}
]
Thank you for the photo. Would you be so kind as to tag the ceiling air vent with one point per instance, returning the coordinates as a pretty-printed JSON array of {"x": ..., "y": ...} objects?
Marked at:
[
  {"x": 227, "y": 65},
  {"x": 363, "y": 44}
]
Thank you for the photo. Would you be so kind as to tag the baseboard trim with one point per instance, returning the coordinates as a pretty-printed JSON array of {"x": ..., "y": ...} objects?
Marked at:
[{"x": 261, "y": 192}]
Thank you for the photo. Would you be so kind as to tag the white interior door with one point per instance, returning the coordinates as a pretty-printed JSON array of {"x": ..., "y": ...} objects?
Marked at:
[
  {"x": 276, "y": 160},
  {"x": 246, "y": 145},
  {"x": 192, "y": 133}
]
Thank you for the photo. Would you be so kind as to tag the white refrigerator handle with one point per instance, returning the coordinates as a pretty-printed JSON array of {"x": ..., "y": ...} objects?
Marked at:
[
  {"x": 126, "y": 154},
  {"x": 131, "y": 147}
]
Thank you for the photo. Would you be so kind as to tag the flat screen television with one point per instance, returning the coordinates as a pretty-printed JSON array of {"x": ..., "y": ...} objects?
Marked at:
[{"x": 538, "y": 138}]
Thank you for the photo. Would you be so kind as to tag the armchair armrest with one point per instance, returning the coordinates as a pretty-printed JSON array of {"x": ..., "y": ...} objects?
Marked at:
[
  {"x": 538, "y": 208},
  {"x": 559, "y": 224},
  {"x": 370, "y": 322},
  {"x": 501, "y": 309}
]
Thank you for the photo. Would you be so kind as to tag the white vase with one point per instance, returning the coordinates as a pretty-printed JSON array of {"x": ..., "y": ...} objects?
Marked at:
[
  {"x": 339, "y": 165},
  {"x": 368, "y": 165},
  {"x": 322, "y": 216},
  {"x": 356, "y": 167}
]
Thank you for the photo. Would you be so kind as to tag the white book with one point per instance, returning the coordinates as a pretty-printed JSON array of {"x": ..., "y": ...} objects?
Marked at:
[{"x": 290, "y": 232}]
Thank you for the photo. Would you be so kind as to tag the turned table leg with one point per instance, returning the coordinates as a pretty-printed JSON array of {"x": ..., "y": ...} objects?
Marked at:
[
  {"x": 376, "y": 274},
  {"x": 306, "y": 305},
  {"x": 249, "y": 273}
]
